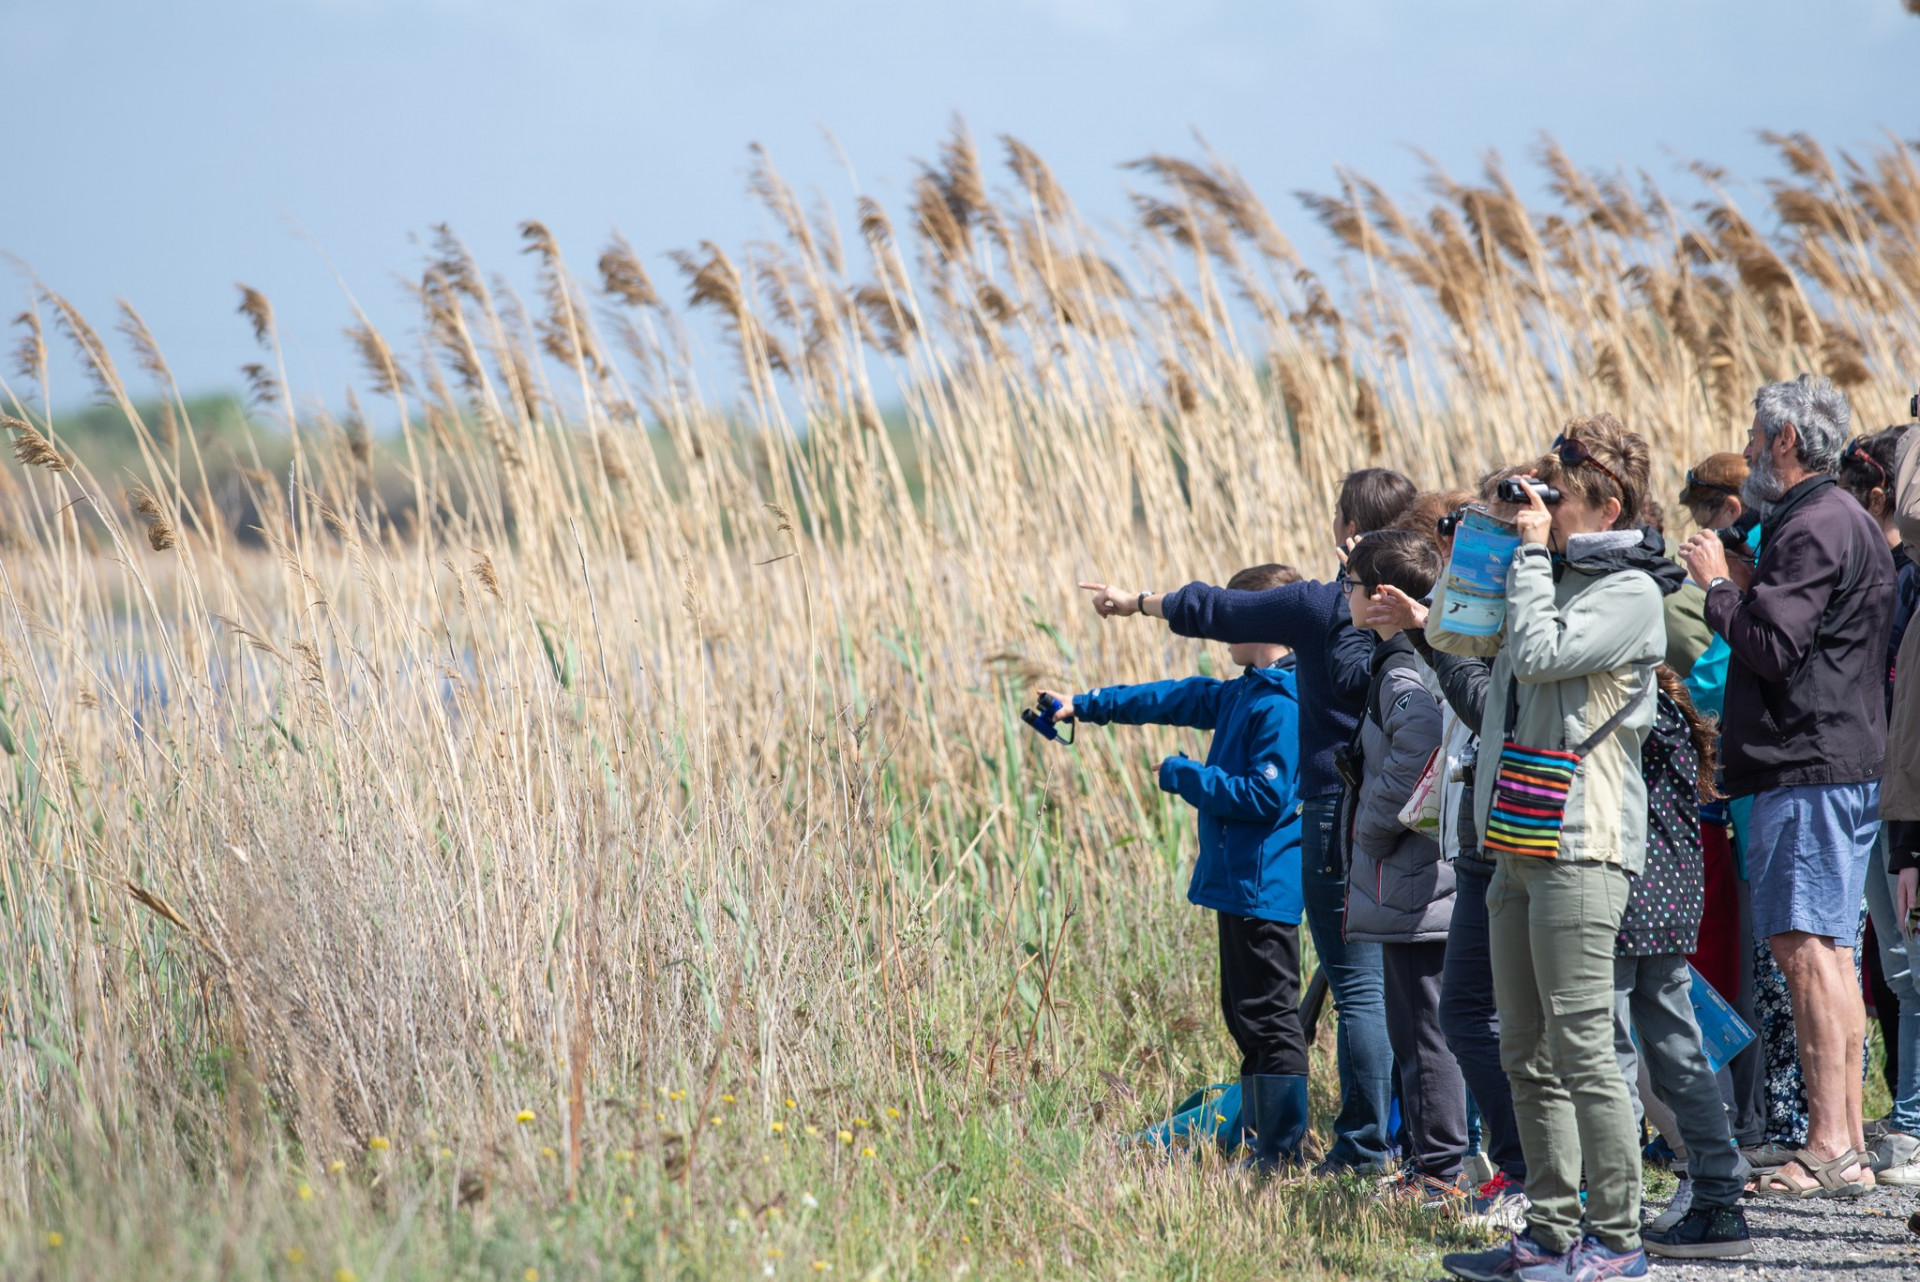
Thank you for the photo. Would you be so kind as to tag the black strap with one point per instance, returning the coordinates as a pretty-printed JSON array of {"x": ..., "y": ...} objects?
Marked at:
[{"x": 1607, "y": 727}]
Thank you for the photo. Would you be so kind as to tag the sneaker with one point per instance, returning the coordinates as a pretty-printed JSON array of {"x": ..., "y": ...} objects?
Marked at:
[
  {"x": 1498, "y": 1206},
  {"x": 1477, "y": 1169},
  {"x": 1877, "y": 1127},
  {"x": 1895, "y": 1158},
  {"x": 1676, "y": 1209},
  {"x": 1768, "y": 1156},
  {"x": 1589, "y": 1260},
  {"x": 1499, "y": 1264},
  {"x": 1703, "y": 1233}
]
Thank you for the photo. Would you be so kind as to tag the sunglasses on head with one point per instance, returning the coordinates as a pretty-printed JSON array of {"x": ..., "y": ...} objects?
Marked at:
[
  {"x": 1575, "y": 453},
  {"x": 1856, "y": 449},
  {"x": 1696, "y": 482}
]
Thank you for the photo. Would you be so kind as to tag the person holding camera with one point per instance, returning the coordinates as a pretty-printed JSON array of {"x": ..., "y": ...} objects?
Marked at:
[
  {"x": 1562, "y": 807},
  {"x": 1806, "y": 737}
]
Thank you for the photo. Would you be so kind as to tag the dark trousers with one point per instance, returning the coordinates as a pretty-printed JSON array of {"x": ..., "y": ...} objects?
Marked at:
[
  {"x": 1260, "y": 994},
  {"x": 1472, "y": 1023},
  {"x": 1432, "y": 1095}
]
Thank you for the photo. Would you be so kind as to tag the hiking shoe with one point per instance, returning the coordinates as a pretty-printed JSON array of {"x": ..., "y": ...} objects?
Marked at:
[
  {"x": 1589, "y": 1260},
  {"x": 1426, "y": 1192},
  {"x": 1879, "y": 1126},
  {"x": 1703, "y": 1233},
  {"x": 1498, "y": 1206},
  {"x": 1895, "y": 1158},
  {"x": 1500, "y": 1264},
  {"x": 1676, "y": 1209}
]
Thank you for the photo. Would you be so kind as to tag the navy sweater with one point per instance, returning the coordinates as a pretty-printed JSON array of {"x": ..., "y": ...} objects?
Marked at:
[{"x": 1308, "y": 617}]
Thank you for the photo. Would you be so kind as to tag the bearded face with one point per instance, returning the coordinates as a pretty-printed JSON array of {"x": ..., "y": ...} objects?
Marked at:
[{"x": 1763, "y": 486}]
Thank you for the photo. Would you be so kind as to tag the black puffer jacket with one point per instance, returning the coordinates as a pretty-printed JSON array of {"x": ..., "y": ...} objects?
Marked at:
[{"x": 1809, "y": 641}]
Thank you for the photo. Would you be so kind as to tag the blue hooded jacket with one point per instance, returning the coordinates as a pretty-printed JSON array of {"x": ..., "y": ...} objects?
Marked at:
[{"x": 1249, "y": 863}]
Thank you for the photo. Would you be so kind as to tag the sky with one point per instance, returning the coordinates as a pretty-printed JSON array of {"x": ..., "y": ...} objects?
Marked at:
[{"x": 160, "y": 153}]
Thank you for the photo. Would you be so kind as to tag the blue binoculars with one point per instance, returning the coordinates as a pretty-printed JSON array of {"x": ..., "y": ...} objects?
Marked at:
[{"x": 1040, "y": 718}]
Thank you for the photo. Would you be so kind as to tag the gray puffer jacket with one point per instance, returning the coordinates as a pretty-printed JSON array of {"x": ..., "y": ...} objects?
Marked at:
[{"x": 1399, "y": 889}]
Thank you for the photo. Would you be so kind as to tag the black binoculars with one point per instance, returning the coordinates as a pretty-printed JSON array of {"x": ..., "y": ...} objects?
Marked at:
[{"x": 1514, "y": 490}]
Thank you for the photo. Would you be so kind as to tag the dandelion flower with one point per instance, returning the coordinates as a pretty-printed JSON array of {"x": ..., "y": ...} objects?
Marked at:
[
  {"x": 965, "y": 1238},
  {"x": 790, "y": 1103},
  {"x": 893, "y": 1112},
  {"x": 446, "y": 1152},
  {"x": 973, "y": 1201},
  {"x": 867, "y": 1152},
  {"x": 813, "y": 1130},
  {"x": 677, "y": 1095},
  {"x": 821, "y": 1266},
  {"x": 378, "y": 1143},
  {"x": 717, "y": 1120},
  {"x": 55, "y": 1240},
  {"x": 532, "y": 1274},
  {"x": 304, "y": 1192},
  {"x": 779, "y": 1128},
  {"x": 774, "y": 1253},
  {"x": 774, "y": 1212},
  {"x": 726, "y": 1099},
  {"x": 295, "y": 1255},
  {"x": 546, "y": 1150},
  {"x": 861, "y": 1121},
  {"x": 846, "y": 1137},
  {"x": 524, "y": 1116},
  {"x": 336, "y": 1166},
  {"x": 1220, "y": 1118},
  {"x": 345, "y": 1275}
]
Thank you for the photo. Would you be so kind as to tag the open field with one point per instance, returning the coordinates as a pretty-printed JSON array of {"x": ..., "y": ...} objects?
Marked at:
[{"x": 613, "y": 848}]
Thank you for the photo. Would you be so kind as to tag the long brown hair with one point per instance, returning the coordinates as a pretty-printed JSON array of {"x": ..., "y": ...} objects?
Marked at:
[{"x": 1704, "y": 731}]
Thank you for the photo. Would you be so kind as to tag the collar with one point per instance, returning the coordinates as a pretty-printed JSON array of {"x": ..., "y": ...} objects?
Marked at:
[
  {"x": 1582, "y": 546},
  {"x": 1792, "y": 499}
]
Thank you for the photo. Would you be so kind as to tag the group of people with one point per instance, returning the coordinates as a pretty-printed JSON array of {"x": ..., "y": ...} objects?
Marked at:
[{"x": 1521, "y": 848}]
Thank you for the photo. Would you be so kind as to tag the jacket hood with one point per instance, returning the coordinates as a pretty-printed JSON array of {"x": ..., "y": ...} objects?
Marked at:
[
  {"x": 1613, "y": 555},
  {"x": 1279, "y": 675}
]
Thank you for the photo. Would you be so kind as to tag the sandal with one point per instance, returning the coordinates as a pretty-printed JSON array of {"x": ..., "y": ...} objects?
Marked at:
[{"x": 1828, "y": 1182}]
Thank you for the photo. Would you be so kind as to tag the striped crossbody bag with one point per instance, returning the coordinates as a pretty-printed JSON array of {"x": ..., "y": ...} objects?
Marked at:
[{"x": 1530, "y": 792}]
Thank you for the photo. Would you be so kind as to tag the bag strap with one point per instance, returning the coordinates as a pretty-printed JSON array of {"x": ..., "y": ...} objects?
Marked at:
[{"x": 1607, "y": 727}]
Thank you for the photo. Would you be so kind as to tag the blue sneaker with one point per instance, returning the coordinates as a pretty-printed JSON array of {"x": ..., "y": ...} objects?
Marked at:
[
  {"x": 1502, "y": 1263},
  {"x": 1589, "y": 1260}
]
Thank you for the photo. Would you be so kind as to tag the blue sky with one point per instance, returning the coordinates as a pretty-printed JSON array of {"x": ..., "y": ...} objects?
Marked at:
[{"x": 163, "y": 152}]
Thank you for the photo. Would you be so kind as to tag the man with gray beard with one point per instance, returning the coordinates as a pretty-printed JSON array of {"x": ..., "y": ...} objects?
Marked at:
[{"x": 1806, "y": 737}]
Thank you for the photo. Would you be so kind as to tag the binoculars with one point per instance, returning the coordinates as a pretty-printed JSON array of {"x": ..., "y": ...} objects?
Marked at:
[
  {"x": 1039, "y": 718},
  {"x": 1514, "y": 490}
]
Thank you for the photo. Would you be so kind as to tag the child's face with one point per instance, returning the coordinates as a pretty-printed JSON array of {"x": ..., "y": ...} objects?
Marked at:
[{"x": 1257, "y": 654}]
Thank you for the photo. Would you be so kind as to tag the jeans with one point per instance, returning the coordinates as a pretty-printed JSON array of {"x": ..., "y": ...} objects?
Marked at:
[
  {"x": 1651, "y": 997},
  {"x": 1552, "y": 924},
  {"x": 1895, "y": 966},
  {"x": 1260, "y": 994},
  {"x": 1361, "y": 1049},
  {"x": 1472, "y": 1022},
  {"x": 1432, "y": 1095}
]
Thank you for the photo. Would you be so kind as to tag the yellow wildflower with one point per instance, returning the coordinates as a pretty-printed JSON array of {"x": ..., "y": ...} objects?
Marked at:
[
  {"x": 779, "y": 1128},
  {"x": 446, "y": 1152},
  {"x": 866, "y": 1152},
  {"x": 973, "y": 1201},
  {"x": 532, "y": 1274},
  {"x": 893, "y": 1112},
  {"x": 812, "y": 1130},
  {"x": 790, "y": 1103},
  {"x": 378, "y": 1143},
  {"x": 547, "y": 1151},
  {"x": 726, "y": 1099},
  {"x": 345, "y": 1275},
  {"x": 55, "y": 1240},
  {"x": 861, "y": 1121},
  {"x": 846, "y": 1137},
  {"x": 716, "y": 1119},
  {"x": 524, "y": 1116},
  {"x": 336, "y": 1166},
  {"x": 295, "y": 1255},
  {"x": 304, "y": 1192}
]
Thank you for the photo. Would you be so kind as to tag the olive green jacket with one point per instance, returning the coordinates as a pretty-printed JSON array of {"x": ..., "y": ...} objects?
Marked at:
[{"x": 1578, "y": 648}]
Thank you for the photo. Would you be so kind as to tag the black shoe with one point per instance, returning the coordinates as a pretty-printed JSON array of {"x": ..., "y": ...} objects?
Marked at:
[
  {"x": 1703, "y": 1233},
  {"x": 1275, "y": 1106}
]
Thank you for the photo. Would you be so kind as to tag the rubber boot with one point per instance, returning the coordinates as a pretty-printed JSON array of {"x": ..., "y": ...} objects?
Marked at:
[{"x": 1275, "y": 1106}]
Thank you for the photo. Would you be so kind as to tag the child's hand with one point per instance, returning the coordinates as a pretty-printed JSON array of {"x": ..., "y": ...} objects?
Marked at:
[
  {"x": 1065, "y": 711},
  {"x": 1170, "y": 771},
  {"x": 1903, "y": 896},
  {"x": 1112, "y": 603},
  {"x": 1389, "y": 607}
]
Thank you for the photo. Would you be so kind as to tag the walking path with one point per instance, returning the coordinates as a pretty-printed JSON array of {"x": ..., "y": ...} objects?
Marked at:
[{"x": 1862, "y": 1240}]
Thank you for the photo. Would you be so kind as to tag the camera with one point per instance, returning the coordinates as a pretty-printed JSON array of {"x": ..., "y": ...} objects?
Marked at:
[
  {"x": 1514, "y": 490},
  {"x": 1039, "y": 718},
  {"x": 1734, "y": 538}
]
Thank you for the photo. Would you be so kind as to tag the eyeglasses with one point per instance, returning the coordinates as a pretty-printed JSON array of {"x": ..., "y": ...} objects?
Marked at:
[
  {"x": 1696, "y": 482},
  {"x": 1576, "y": 454},
  {"x": 1857, "y": 450},
  {"x": 1347, "y": 586}
]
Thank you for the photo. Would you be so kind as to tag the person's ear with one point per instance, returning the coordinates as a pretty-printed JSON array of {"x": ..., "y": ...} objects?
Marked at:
[
  {"x": 1611, "y": 511},
  {"x": 1786, "y": 445}
]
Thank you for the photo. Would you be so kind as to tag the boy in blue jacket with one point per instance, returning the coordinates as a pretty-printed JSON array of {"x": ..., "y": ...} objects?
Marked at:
[{"x": 1248, "y": 869}]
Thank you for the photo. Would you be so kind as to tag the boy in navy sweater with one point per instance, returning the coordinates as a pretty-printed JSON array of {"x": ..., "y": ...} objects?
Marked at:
[{"x": 1248, "y": 869}]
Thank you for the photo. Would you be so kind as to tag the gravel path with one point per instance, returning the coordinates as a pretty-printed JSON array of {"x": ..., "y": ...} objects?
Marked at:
[{"x": 1862, "y": 1240}]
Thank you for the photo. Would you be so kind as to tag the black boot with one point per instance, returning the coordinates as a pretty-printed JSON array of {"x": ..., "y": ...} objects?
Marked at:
[{"x": 1275, "y": 1106}]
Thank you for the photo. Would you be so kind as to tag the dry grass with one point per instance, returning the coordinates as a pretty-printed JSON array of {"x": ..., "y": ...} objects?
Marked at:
[{"x": 656, "y": 762}]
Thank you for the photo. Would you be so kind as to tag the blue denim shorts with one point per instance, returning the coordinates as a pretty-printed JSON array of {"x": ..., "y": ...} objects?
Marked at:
[{"x": 1807, "y": 855}]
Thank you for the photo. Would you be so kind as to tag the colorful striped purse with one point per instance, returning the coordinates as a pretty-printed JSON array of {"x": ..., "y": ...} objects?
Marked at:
[{"x": 1530, "y": 792}]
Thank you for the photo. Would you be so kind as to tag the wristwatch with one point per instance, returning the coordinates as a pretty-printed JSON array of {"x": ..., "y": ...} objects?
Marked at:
[
  {"x": 1716, "y": 581},
  {"x": 1140, "y": 602}
]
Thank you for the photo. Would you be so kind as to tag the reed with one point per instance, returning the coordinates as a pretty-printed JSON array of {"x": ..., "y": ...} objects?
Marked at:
[{"x": 628, "y": 810}]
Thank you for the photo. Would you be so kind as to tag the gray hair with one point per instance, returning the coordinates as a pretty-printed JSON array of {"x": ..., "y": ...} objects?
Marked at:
[{"x": 1819, "y": 414}]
